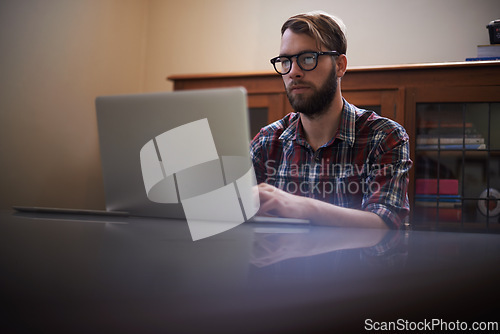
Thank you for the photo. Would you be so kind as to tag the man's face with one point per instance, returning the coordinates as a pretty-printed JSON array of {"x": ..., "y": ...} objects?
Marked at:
[{"x": 309, "y": 92}]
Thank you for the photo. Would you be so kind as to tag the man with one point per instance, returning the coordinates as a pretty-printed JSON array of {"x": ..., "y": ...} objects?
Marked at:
[{"x": 328, "y": 162}]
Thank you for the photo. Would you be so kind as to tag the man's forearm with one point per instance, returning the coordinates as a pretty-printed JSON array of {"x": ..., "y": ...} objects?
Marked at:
[{"x": 323, "y": 213}]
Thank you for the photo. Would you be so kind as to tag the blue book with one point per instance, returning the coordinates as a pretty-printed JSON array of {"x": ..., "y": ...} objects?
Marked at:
[
  {"x": 452, "y": 147},
  {"x": 482, "y": 58},
  {"x": 441, "y": 198}
]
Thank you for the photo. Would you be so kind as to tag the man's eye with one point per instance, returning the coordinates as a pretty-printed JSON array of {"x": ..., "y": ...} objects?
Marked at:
[
  {"x": 284, "y": 62},
  {"x": 308, "y": 60}
]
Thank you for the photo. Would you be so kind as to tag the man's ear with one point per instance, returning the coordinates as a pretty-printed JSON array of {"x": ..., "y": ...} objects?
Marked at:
[{"x": 341, "y": 65}]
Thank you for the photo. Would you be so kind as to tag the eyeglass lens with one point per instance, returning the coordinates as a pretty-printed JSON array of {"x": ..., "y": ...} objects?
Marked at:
[{"x": 306, "y": 61}]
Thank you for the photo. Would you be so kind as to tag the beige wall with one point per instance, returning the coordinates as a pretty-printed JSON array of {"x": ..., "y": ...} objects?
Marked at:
[
  {"x": 196, "y": 36},
  {"x": 58, "y": 55}
]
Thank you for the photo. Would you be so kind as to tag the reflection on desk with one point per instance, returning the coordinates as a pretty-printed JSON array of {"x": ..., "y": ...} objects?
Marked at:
[{"x": 76, "y": 274}]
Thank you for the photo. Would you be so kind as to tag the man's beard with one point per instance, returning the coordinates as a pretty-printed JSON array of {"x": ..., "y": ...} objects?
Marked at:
[{"x": 319, "y": 102}]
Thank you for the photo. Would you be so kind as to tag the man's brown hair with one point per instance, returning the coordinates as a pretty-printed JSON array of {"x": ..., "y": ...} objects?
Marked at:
[{"x": 326, "y": 29}]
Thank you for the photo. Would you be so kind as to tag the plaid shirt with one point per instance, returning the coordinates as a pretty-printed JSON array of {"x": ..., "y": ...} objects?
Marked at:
[{"x": 365, "y": 166}]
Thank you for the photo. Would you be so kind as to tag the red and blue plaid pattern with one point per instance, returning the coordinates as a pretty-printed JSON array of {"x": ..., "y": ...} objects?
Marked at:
[{"x": 365, "y": 166}]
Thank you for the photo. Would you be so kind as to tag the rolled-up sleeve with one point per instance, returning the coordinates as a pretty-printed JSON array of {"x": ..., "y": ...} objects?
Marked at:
[{"x": 389, "y": 182}]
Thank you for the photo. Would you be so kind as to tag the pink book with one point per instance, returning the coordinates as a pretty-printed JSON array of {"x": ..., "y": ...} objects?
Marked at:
[
  {"x": 429, "y": 215},
  {"x": 430, "y": 187}
]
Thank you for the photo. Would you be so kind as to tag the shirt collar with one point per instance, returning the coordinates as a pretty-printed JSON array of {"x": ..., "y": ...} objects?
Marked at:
[
  {"x": 345, "y": 132},
  {"x": 347, "y": 125},
  {"x": 290, "y": 133}
]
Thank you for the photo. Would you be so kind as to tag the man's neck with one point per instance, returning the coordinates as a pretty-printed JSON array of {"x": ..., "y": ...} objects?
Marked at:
[{"x": 319, "y": 130}]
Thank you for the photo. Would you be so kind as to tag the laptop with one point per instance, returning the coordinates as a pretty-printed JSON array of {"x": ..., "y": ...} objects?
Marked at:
[
  {"x": 195, "y": 128},
  {"x": 182, "y": 155}
]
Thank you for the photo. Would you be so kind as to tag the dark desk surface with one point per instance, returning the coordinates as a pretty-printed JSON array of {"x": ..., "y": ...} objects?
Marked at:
[{"x": 77, "y": 274}]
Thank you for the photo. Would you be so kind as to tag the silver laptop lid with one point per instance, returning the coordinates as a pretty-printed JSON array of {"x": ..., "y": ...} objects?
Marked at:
[{"x": 161, "y": 152}]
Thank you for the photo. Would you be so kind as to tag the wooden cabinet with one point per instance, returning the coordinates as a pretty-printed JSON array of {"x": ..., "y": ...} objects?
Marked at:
[
  {"x": 456, "y": 145},
  {"x": 267, "y": 99},
  {"x": 409, "y": 94}
]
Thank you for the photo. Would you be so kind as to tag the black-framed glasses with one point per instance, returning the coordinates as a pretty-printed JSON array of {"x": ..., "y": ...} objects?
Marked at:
[{"x": 307, "y": 61}]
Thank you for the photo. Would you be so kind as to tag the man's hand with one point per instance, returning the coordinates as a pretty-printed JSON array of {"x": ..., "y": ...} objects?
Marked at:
[{"x": 276, "y": 202}]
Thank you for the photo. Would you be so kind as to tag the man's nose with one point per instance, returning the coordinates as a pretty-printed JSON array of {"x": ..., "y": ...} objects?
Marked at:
[{"x": 295, "y": 70}]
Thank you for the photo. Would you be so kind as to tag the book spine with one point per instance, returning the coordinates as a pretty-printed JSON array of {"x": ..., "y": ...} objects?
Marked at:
[
  {"x": 441, "y": 215},
  {"x": 442, "y": 201},
  {"x": 452, "y": 147},
  {"x": 430, "y": 187},
  {"x": 448, "y": 132},
  {"x": 488, "y": 50},
  {"x": 434, "y": 124},
  {"x": 448, "y": 141},
  {"x": 435, "y": 198},
  {"x": 482, "y": 58}
]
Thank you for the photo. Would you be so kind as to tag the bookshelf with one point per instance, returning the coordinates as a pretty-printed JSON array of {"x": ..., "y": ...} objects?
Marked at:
[
  {"x": 457, "y": 158},
  {"x": 460, "y": 98}
]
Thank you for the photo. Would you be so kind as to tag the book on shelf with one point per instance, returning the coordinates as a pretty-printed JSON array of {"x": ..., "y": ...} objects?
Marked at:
[
  {"x": 437, "y": 124},
  {"x": 441, "y": 201},
  {"x": 449, "y": 136},
  {"x": 449, "y": 140},
  {"x": 430, "y": 187},
  {"x": 441, "y": 197},
  {"x": 482, "y": 59},
  {"x": 452, "y": 147},
  {"x": 447, "y": 130},
  {"x": 432, "y": 214},
  {"x": 488, "y": 50},
  {"x": 438, "y": 201},
  {"x": 423, "y": 204}
]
